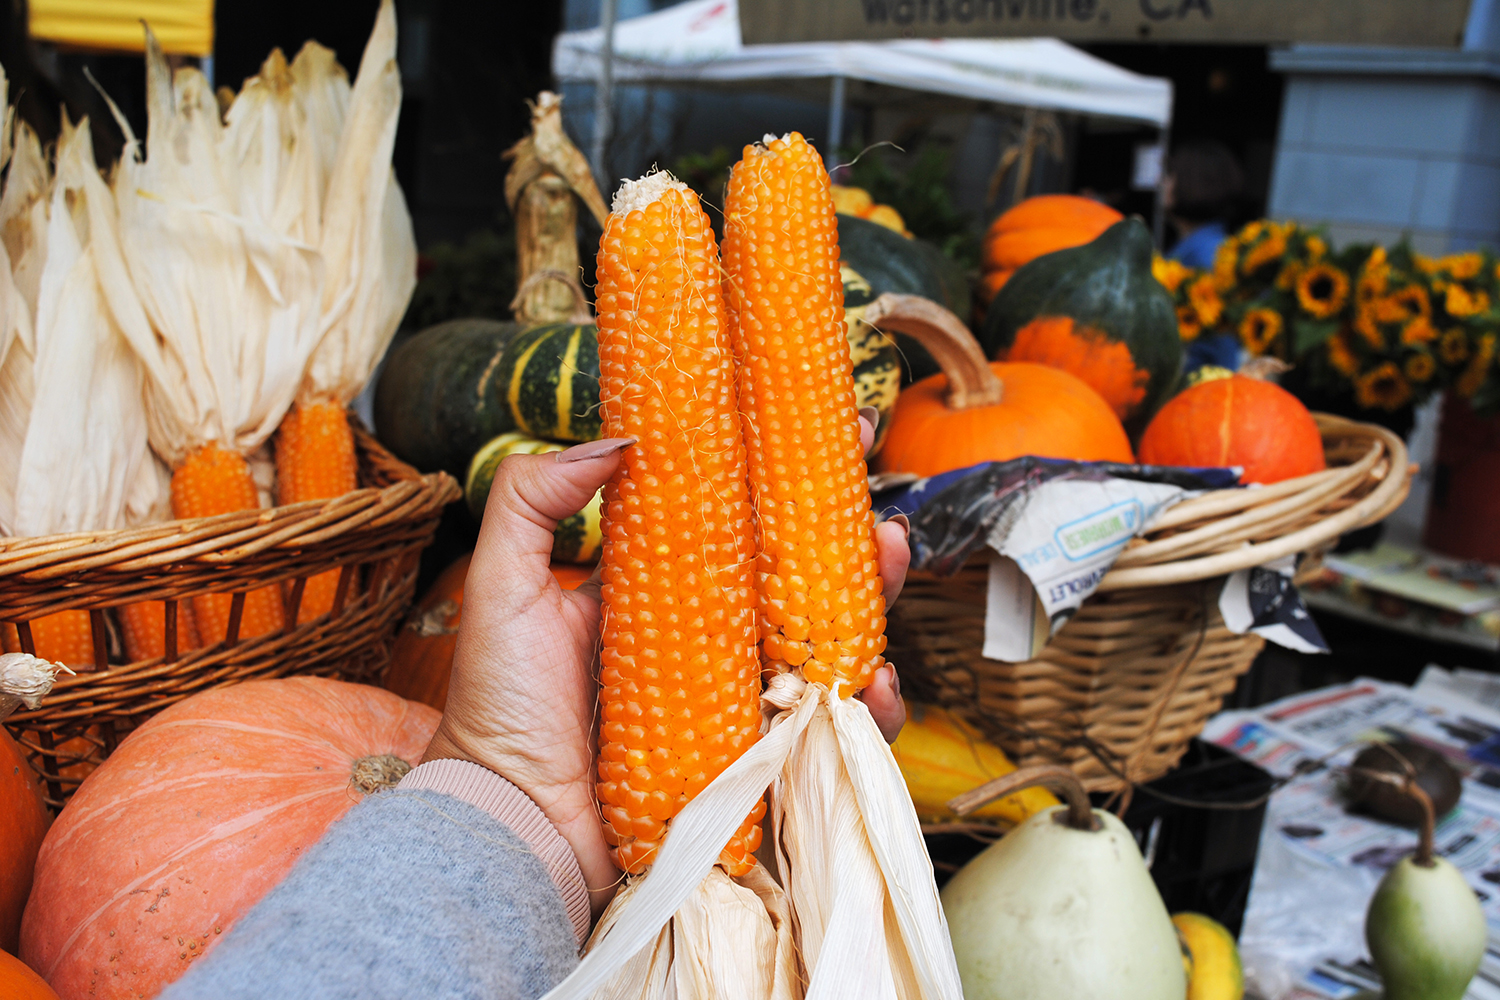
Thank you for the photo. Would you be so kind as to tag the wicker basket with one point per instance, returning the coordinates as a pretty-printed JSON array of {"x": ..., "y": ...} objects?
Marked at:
[
  {"x": 373, "y": 535},
  {"x": 1120, "y": 691}
]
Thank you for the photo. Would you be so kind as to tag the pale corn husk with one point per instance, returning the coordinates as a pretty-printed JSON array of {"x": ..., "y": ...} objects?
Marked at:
[
  {"x": 866, "y": 897},
  {"x": 730, "y": 940},
  {"x": 368, "y": 246},
  {"x": 86, "y": 464},
  {"x": 25, "y": 680},
  {"x": 214, "y": 300}
]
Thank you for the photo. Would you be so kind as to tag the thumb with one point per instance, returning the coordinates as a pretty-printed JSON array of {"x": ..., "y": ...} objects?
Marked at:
[{"x": 532, "y": 493}]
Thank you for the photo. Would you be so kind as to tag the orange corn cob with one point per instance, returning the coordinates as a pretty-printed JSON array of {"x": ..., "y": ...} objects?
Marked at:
[
  {"x": 822, "y": 610},
  {"x": 680, "y": 697},
  {"x": 210, "y": 481},
  {"x": 315, "y": 461},
  {"x": 144, "y": 625},
  {"x": 66, "y": 637}
]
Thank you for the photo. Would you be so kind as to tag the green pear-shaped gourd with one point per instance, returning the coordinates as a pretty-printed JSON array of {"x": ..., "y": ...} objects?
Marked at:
[
  {"x": 1062, "y": 906},
  {"x": 1425, "y": 928}
]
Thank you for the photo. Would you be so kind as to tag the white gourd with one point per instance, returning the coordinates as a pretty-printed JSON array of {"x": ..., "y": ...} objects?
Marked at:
[{"x": 1051, "y": 910}]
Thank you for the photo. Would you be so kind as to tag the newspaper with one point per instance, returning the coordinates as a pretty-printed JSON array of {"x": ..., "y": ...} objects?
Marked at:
[{"x": 1303, "y": 934}]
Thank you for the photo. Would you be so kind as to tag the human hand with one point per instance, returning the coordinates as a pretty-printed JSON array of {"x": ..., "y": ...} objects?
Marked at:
[{"x": 523, "y": 693}]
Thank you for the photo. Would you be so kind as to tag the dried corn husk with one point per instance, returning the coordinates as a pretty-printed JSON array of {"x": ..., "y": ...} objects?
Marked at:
[
  {"x": 547, "y": 173},
  {"x": 866, "y": 910},
  {"x": 367, "y": 243},
  {"x": 86, "y": 464},
  {"x": 212, "y": 297}
]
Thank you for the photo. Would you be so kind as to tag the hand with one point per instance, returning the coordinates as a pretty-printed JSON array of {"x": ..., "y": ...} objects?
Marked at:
[{"x": 522, "y": 700}]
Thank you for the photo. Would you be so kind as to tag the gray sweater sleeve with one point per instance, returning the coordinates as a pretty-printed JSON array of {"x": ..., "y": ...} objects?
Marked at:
[{"x": 411, "y": 894}]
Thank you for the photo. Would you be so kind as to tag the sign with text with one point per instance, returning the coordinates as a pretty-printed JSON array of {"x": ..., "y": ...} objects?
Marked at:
[{"x": 1438, "y": 23}]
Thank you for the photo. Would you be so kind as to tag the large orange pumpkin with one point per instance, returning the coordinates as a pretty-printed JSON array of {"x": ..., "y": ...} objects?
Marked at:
[
  {"x": 1039, "y": 226},
  {"x": 1236, "y": 421},
  {"x": 974, "y": 411},
  {"x": 422, "y": 656},
  {"x": 19, "y": 982},
  {"x": 23, "y": 823},
  {"x": 195, "y": 817}
]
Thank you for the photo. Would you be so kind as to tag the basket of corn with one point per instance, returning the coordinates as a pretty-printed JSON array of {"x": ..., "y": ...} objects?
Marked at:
[
  {"x": 1119, "y": 690},
  {"x": 187, "y": 502}
]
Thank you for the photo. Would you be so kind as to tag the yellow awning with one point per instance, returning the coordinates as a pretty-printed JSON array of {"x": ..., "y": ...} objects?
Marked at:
[{"x": 184, "y": 27}]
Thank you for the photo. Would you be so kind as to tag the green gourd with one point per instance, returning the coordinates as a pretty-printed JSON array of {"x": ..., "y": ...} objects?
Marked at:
[
  {"x": 1097, "y": 312},
  {"x": 576, "y": 539}
]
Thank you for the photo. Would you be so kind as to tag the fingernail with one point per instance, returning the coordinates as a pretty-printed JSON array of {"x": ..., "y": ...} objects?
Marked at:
[
  {"x": 904, "y": 521},
  {"x": 590, "y": 450},
  {"x": 871, "y": 415}
]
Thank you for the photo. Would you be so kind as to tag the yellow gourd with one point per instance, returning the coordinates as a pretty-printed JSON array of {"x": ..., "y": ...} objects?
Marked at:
[
  {"x": 1215, "y": 972},
  {"x": 942, "y": 756}
]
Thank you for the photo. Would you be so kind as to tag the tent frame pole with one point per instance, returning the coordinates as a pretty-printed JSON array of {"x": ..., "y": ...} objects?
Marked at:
[
  {"x": 1159, "y": 214},
  {"x": 604, "y": 95},
  {"x": 837, "y": 100}
]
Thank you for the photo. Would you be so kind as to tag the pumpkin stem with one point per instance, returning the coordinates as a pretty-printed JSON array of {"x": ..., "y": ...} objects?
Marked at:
[
  {"x": 971, "y": 381},
  {"x": 1079, "y": 815},
  {"x": 25, "y": 680},
  {"x": 377, "y": 773}
]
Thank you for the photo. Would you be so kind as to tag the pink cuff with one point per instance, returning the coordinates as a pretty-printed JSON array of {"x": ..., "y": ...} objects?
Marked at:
[{"x": 486, "y": 790}]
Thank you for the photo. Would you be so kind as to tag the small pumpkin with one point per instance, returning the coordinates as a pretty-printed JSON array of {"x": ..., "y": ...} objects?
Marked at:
[
  {"x": 1097, "y": 312},
  {"x": 204, "y": 809},
  {"x": 577, "y": 539},
  {"x": 18, "y": 981},
  {"x": 1037, "y": 226},
  {"x": 1241, "y": 421},
  {"x": 23, "y": 824},
  {"x": 422, "y": 655},
  {"x": 974, "y": 411}
]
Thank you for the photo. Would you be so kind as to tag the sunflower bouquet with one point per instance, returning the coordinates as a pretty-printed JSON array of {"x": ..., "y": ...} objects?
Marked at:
[{"x": 1387, "y": 328}]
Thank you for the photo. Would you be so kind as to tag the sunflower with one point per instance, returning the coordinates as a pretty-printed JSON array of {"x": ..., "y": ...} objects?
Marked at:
[
  {"x": 1424, "y": 264},
  {"x": 1188, "y": 327},
  {"x": 1259, "y": 328},
  {"x": 1453, "y": 346},
  {"x": 1420, "y": 367},
  {"x": 1462, "y": 266},
  {"x": 1267, "y": 250},
  {"x": 1384, "y": 387},
  {"x": 1461, "y": 302},
  {"x": 1205, "y": 299},
  {"x": 1252, "y": 230},
  {"x": 1322, "y": 290},
  {"x": 1287, "y": 279},
  {"x": 1413, "y": 301},
  {"x": 1170, "y": 273},
  {"x": 1340, "y": 356},
  {"x": 1418, "y": 330},
  {"x": 1316, "y": 249},
  {"x": 1478, "y": 369},
  {"x": 1224, "y": 265}
]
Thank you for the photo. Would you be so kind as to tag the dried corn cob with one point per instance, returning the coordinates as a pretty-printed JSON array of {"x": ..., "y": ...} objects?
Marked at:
[
  {"x": 145, "y": 629},
  {"x": 680, "y": 696},
  {"x": 210, "y": 481},
  {"x": 822, "y": 611},
  {"x": 315, "y": 461},
  {"x": 66, "y": 637}
]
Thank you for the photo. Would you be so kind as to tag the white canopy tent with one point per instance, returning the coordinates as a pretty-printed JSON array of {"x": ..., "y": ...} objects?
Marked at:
[{"x": 698, "y": 42}]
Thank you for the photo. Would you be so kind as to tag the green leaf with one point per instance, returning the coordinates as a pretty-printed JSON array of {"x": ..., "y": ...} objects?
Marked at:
[{"x": 1310, "y": 334}]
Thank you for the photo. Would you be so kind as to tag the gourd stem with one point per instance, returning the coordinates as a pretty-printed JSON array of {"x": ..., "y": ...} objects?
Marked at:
[
  {"x": 971, "y": 381},
  {"x": 1079, "y": 815},
  {"x": 581, "y": 311},
  {"x": 1408, "y": 783}
]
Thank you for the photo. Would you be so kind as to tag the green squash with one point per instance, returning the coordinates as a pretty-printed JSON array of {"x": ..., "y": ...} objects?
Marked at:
[
  {"x": 1097, "y": 312},
  {"x": 549, "y": 379},
  {"x": 433, "y": 404},
  {"x": 890, "y": 262},
  {"x": 577, "y": 539},
  {"x": 877, "y": 361}
]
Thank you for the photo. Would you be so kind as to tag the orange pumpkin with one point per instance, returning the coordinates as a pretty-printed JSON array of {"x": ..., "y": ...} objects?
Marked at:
[
  {"x": 23, "y": 823},
  {"x": 422, "y": 656},
  {"x": 1039, "y": 226},
  {"x": 19, "y": 982},
  {"x": 976, "y": 411},
  {"x": 196, "y": 816},
  {"x": 1236, "y": 421}
]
